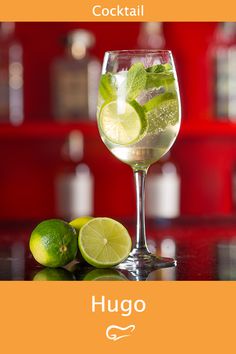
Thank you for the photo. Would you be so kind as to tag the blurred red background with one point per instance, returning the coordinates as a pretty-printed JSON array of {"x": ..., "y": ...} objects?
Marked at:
[{"x": 31, "y": 158}]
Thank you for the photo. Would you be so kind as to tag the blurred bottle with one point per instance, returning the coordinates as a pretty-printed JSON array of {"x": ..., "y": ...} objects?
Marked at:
[
  {"x": 163, "y": 190},
  {"x": 11, "y": 75},
  {"x": 75, "y": 193},
  {"x": 75, "y": 184},
  {"x": 75, "y": 79},
  {"x": 223, "y": 51},
  {"x": 151, "y": 36}
]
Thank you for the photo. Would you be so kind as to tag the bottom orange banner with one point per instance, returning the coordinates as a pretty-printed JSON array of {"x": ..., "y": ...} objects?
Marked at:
[{"x": 117, "y": 317}]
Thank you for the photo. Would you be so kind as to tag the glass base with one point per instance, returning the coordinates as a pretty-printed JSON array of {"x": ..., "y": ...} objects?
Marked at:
[{"x": 142, "y": 259}]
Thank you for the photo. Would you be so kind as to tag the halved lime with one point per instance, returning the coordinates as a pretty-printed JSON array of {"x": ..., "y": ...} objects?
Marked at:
[
  {"x": 121, "y": 122},
  {"x": 104, "y": 242}
]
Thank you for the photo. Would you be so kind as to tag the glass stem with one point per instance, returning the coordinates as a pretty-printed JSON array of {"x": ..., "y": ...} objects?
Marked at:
[{"x": 141, "y": 242}]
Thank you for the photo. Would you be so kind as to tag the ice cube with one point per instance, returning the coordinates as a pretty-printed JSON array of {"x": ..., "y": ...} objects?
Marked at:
[{"x": 121, "y": 84}]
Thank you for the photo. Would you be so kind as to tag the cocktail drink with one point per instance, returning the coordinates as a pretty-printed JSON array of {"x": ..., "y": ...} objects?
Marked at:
[{"x": 139, "y": 120}]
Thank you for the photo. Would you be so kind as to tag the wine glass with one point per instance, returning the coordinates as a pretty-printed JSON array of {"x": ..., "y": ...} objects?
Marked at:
[{"x": 139, "y": 119}]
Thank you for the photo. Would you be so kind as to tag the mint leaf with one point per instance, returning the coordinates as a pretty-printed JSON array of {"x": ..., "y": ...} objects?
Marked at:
[
  {"x": 107, "y": 88},
  {"x": 159, "y": 79},
  {"x": 159, "y": 68},
  {"x": 136, "y": 80}
]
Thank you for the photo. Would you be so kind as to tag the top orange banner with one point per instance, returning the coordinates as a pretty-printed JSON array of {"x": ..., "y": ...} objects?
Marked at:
[{"x": 110, "y": 10}]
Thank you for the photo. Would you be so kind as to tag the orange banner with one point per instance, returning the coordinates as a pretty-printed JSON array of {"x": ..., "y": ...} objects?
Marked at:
[
  {"x": 174, "y": 317},
  {"x": 110, "y": 10}
]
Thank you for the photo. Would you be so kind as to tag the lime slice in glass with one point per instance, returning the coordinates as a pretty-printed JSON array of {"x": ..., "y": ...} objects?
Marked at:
[
  {"x": 157, "y": 100},
  {"x": 121, "y": 122},
  {"x": 165, "y": 114},
  {"x": 104, "y": 242}
]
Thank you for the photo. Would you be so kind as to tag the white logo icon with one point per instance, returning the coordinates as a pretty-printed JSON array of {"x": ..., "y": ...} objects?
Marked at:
[{"x": 114, "y": 332}]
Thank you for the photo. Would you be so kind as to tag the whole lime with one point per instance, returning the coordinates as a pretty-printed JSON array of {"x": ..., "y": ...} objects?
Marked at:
[{"x": 53, "y": 243}]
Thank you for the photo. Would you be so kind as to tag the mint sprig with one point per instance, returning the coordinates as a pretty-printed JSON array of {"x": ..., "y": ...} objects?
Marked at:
[
  {"x": 159, "y": 75},
  {"x": 136, "y": 80},
  {"x": 159, "y": 79}
]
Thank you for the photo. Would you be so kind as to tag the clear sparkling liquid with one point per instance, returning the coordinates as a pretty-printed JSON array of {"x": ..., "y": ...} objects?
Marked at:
[{"x": 148, "y": 150}]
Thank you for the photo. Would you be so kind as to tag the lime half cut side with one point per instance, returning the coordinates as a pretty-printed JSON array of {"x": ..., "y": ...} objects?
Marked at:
[
  {"x": 104, "y": 242},
  {"x": 121, "y": 122}
]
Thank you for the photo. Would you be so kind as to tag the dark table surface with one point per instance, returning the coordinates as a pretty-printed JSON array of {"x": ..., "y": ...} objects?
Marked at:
[{"x": 205, "y": 249}]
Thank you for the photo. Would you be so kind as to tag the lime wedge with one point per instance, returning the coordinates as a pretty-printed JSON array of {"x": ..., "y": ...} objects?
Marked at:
[
  {"x": 104, "y": 242},
  {"x": 121, "y": 122}
]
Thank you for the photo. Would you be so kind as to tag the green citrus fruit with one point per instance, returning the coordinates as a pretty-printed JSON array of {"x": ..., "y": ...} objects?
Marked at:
[
  {"x": 104, "y": 242},
  {"x": 53, "y": 274},
  {"x": 79, "y": 222},
  {"x": 53, "y": 243},
  {"x": 122, "y": 123}
]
